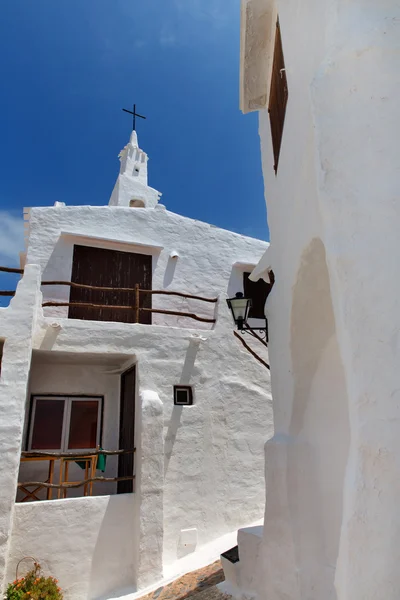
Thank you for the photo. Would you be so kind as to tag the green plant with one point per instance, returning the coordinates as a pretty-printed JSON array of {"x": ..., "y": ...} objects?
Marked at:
[{"x": 34, "y": 586}]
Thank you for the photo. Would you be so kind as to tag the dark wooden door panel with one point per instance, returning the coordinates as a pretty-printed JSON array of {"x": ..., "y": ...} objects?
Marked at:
[
  {"x": 110, "y": 268},
  {"x": 127, "y": 429},
  {"x": 258, "y": 291}
]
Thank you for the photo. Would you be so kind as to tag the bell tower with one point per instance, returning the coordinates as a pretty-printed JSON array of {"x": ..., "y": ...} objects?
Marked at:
[{"x": 131, "y": 188}]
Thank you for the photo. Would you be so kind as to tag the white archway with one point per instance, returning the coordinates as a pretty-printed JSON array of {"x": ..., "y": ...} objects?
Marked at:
[{"x": 319, "y": 428}]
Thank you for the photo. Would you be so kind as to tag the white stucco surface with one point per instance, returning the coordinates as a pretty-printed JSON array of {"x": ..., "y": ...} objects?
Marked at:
[
  {"x": 87, "y": 542},
  {"x": 331, "y": 527},
  {"x": 198, "y": 468},
  {"x": 16, "y": 326},
  {"x": 206, "y": 254}
]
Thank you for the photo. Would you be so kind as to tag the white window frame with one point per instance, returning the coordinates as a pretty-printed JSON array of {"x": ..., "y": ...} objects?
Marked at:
[{"x": 66, "y": 421}]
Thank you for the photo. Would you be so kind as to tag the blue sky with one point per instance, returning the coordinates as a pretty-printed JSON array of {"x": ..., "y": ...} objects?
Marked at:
[{"x": 68, "y": 67}]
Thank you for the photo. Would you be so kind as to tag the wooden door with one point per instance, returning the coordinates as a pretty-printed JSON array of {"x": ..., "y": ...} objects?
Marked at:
[
  {"x": 110, "y": 268},
  {"x": 127, "y": 429}
]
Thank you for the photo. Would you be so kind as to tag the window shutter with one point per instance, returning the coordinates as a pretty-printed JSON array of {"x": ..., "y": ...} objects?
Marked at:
[
  {"x": 110, "y": 268},
  {"x": 258, "y": 291},
  {"x": 278, "y": 97}
]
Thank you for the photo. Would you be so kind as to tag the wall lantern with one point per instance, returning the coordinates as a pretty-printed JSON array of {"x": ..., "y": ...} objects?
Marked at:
[{"x": 239, "y": 306}]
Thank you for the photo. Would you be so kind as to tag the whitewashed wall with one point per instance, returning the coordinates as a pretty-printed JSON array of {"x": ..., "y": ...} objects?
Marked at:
[
  {"x": 204, "y": 265},
  {"x": 87, "y": 542},
  {"x": 16, "y": 329},
  {"x": 197, "y": 468},
  {"x": 331, "y": 526}
]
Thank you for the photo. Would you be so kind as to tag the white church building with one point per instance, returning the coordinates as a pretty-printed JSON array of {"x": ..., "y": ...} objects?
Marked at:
[
  {"x": 324, "y": 76},
  {"x": 132, "y": 421}
]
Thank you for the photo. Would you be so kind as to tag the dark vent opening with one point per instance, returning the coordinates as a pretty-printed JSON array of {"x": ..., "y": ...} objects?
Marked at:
[
  {"x": 183, "y": 395},
  {"x": 232, "y": 555}
]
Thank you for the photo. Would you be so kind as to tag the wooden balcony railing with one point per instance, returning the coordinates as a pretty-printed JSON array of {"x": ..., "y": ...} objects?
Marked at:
[
  {"x": 136, "y": 307},
  {"x": 90, "y": 460}
]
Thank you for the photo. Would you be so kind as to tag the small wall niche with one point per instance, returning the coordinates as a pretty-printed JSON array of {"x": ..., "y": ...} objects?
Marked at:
[{"x": 183, "y": 395}]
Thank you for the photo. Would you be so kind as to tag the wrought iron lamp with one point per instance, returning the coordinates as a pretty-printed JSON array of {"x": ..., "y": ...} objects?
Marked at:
[{"x": 240, "y": 308}]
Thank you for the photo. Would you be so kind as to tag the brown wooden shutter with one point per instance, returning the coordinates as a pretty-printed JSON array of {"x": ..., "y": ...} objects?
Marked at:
[
  {"x": 278, "y": 97},
  {"x": 110, "y": 268}
]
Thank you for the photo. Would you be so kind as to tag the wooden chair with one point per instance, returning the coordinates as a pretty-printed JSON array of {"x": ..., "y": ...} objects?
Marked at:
[
  {"x": 90, "y": 461},
  {"x": 32, "y": 494}
]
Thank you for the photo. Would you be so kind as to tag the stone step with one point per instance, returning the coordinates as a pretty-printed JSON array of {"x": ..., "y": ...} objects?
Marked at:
[{"x": 239, "y": 564}]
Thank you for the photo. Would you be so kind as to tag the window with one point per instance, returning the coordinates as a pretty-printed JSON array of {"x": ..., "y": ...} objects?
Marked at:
[
  {"x": 64, "y": 423},
  {"x": 278, "y": 97},
  {"x": 258, "y": 291},
  {"x": 183, "y": 395}
]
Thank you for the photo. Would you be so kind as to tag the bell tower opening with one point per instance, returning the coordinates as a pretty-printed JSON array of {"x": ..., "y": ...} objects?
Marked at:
[{"x": 136, "y": 203}]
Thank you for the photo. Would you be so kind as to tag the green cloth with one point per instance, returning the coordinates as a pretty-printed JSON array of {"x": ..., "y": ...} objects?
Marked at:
[{"x": 101, "y": 462}]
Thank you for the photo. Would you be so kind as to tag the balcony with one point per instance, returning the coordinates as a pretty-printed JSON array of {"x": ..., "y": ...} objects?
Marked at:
[
  {"x": 124, "y": 304},
  {"x": 58, "y": 481},
  {"x": 79, "y": 433}
]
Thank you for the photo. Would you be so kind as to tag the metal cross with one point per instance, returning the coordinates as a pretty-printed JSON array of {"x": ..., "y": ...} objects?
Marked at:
[{"x": 135, "y": 114}]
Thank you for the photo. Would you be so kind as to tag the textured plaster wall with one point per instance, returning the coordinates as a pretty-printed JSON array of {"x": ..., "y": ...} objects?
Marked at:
[
  {"x": 334, "y": 195},
  {"x": 319, "y": 429},
  {"x": 101, "y": 546},
  {"x": 149, "y": 490},
  {"x": 206, "y": 254},
  {"x": 16, "y": 327},
  {"x": 223, "y": 433},
  {"x": 197, "y": 468},
  {"x": 87, "y": 543}
]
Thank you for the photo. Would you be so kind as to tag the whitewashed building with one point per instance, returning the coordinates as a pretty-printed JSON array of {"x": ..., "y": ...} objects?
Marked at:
[
  {"x": 324, "y": 76},
  {"x": 167, "y": 384}
]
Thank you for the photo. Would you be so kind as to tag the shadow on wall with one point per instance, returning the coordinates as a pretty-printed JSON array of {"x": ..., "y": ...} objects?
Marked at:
[
  {"x": 51, "y": 335},
  {"x": 112, "y": 566},
  {"x": 175, "y": 421},
  {"x": 319, "y": 428}
]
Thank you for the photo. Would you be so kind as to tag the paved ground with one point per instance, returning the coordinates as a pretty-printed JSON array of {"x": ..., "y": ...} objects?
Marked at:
[
  {"x": 212, "y": 593},
  {"x": 198, "y": 585}
]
